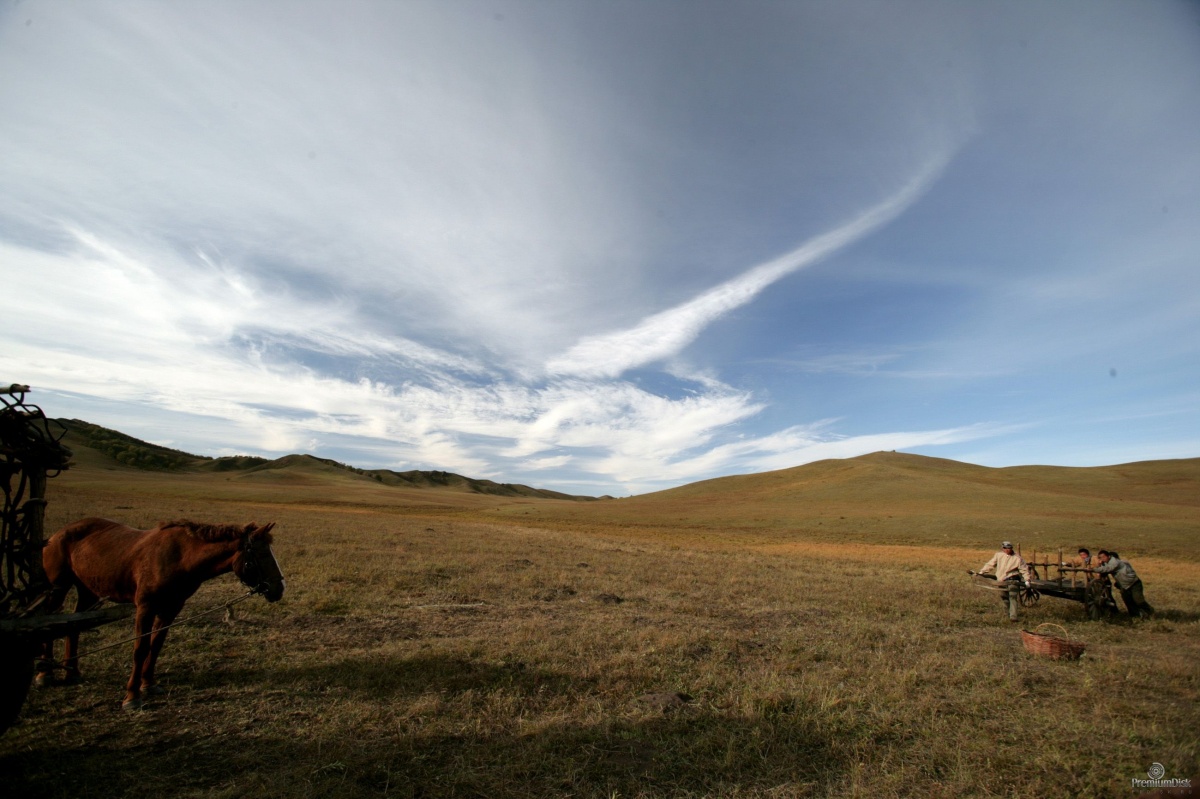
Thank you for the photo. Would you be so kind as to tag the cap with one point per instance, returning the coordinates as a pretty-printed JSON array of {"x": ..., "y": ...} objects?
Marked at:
[{"x": 1006, "y": 545}]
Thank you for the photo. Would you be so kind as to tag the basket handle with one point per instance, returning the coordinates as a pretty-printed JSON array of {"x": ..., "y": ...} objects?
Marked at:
[{"x": 1038, "y": 630}]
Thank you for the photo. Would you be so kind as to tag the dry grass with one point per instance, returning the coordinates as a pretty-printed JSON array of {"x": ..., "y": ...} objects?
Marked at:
[{"x": 439, "y": 645}]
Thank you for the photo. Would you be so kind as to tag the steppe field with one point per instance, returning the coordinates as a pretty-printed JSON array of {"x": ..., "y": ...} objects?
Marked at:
[{"x": 810, "y": 632}]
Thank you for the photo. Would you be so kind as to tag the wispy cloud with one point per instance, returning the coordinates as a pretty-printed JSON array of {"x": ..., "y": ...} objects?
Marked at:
[
  {"x": 180, "y": 355},
  {"x": 786, "y": 448},
  {"x": 666, "y": 333},
  {"x": 892, "y": 364},
  {"x": 209, "y": 343}
]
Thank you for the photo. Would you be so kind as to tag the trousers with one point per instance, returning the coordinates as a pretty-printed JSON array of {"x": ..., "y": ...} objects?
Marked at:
[
  {"x": 1011, "y": 597},
  {"x": 1135, "y": 600}
]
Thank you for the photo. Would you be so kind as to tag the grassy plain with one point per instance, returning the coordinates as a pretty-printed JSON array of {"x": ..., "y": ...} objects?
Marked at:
[{"x": 804, "y": 633}]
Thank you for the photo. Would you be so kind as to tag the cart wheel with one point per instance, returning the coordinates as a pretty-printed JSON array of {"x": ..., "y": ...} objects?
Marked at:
[
  {"x": 1098, "y": 600},
  {"x": 1110, "y": 603},
  {"x": 16, "y": 672}
]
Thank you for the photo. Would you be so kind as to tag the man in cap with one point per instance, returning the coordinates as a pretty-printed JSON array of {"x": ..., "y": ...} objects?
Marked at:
[
  {"x": 1127, "y": 580},
  {"x": 1011, "y": 572}
]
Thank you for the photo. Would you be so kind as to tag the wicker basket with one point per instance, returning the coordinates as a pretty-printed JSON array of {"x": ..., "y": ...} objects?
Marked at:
[{"x": 1052, "y": 646}]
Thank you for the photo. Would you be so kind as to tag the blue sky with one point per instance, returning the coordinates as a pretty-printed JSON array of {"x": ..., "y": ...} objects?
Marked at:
[{"x": 607, "y": 247}]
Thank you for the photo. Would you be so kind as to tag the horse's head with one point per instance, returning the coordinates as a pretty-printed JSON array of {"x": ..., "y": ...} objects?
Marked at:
[{"x": 255, "y": 564}]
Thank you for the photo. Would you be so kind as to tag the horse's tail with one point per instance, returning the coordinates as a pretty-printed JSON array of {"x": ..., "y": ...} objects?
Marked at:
[{"x": 56, "y": 561}]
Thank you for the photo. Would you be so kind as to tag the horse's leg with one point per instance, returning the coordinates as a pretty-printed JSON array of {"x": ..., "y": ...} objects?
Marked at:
[
  {"x": 85, "y": 600},
  {"x": 161, "y": 622},
  {"x": 44, "y": 667},
  {"x": 56, "y": 566},
  {"x": 45, "y": 661},
  {"x": 141, "y": 649}
]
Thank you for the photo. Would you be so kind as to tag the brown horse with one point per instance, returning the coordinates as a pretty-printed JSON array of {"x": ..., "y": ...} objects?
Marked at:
[{"x": 157, "y": 569}]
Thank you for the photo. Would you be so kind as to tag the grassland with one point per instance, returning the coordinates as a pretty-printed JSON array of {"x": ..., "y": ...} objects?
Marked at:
[{"x": 804, "y": 633}]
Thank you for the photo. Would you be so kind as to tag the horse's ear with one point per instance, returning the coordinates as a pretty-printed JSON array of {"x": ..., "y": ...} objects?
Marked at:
[{"x": 266, "y": 528}]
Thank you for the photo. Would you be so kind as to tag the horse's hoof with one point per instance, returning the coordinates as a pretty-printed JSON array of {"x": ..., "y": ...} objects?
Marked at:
[
  {"x": 153, "y": 689},
  {"x": 130, "y": 705},
  {"x": 43, "y": 679}
]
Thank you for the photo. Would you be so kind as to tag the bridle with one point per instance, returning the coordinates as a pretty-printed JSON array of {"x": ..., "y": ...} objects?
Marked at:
[{"x": 251, "y": 574}]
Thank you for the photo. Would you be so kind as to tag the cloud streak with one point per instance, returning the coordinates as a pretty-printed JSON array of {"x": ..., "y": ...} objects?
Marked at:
[{"x": 668, "y": 332}]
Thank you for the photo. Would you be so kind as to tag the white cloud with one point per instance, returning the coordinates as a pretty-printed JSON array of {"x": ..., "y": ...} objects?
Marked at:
[
  {"x": 666, "y": 333},
  {"x": 537, "y": 464},
  {"x": 166, "y": 336},
  {"x": 791, "y": 447},
  {"x": 174, "y": 350}
]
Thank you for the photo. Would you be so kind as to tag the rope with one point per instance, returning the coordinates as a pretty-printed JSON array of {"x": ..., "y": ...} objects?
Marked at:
[{"x": 185, "y": 620}]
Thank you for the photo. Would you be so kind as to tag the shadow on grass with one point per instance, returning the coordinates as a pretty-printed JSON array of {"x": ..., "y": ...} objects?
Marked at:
[
  {"x": 1170, "y": 614},
  {"x": 1057, "y": 614},
  {"x": 684, "y": 750},
  {"x": 1123, "y": 618},
  {"x": 379, "y": 677},
  {"x": 685, "y": 754}
]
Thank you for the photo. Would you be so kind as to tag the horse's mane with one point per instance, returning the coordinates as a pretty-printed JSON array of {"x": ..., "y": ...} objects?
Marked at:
[{"x": 215, "y": 533}]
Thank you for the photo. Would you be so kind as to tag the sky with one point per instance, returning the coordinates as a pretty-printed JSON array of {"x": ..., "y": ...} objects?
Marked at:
[{"x": 607, "y": 247}]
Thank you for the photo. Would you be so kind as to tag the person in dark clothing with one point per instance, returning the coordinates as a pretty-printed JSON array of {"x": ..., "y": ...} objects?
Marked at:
[{"x": 1127, "y": 581}]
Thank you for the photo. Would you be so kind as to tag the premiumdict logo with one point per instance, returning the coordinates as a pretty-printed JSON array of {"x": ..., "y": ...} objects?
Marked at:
[{"x": 1156, "y": 775}]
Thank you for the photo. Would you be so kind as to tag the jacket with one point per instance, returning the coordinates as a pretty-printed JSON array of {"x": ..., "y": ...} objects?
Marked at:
[
  {"x": 1006, "y": 566},
  {"x": 1121, "y": 571}
]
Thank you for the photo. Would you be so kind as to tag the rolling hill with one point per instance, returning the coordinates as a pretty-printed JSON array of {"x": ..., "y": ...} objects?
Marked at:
[
  {"x": 1149, "y": 507},
  {"x": 97, "y": 446},
  {"x": 897, "y": 498}
]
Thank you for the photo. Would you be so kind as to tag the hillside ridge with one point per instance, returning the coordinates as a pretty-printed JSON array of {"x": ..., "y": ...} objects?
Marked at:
[
  {"x": 1144, "y": 507},
  {"x": 1152, "y": 480},
  {"x": 135, "y": 453}
]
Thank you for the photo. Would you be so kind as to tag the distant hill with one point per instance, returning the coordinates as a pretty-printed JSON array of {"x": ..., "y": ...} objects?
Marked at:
[
  {"x": 127, "y": 450},
  {"x": 902, "y": 479},
  {"x": 132, "y": 452},
  {"x": 435, "y": 479},
  {"x": 1148, "y": 507},
  {"x": 898, "y": 498}
]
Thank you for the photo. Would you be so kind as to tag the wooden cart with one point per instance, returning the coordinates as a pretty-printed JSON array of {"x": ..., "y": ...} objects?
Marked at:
[
  {"x": 31, "y": 451},
  {"x": 1058, "y": 579}
]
